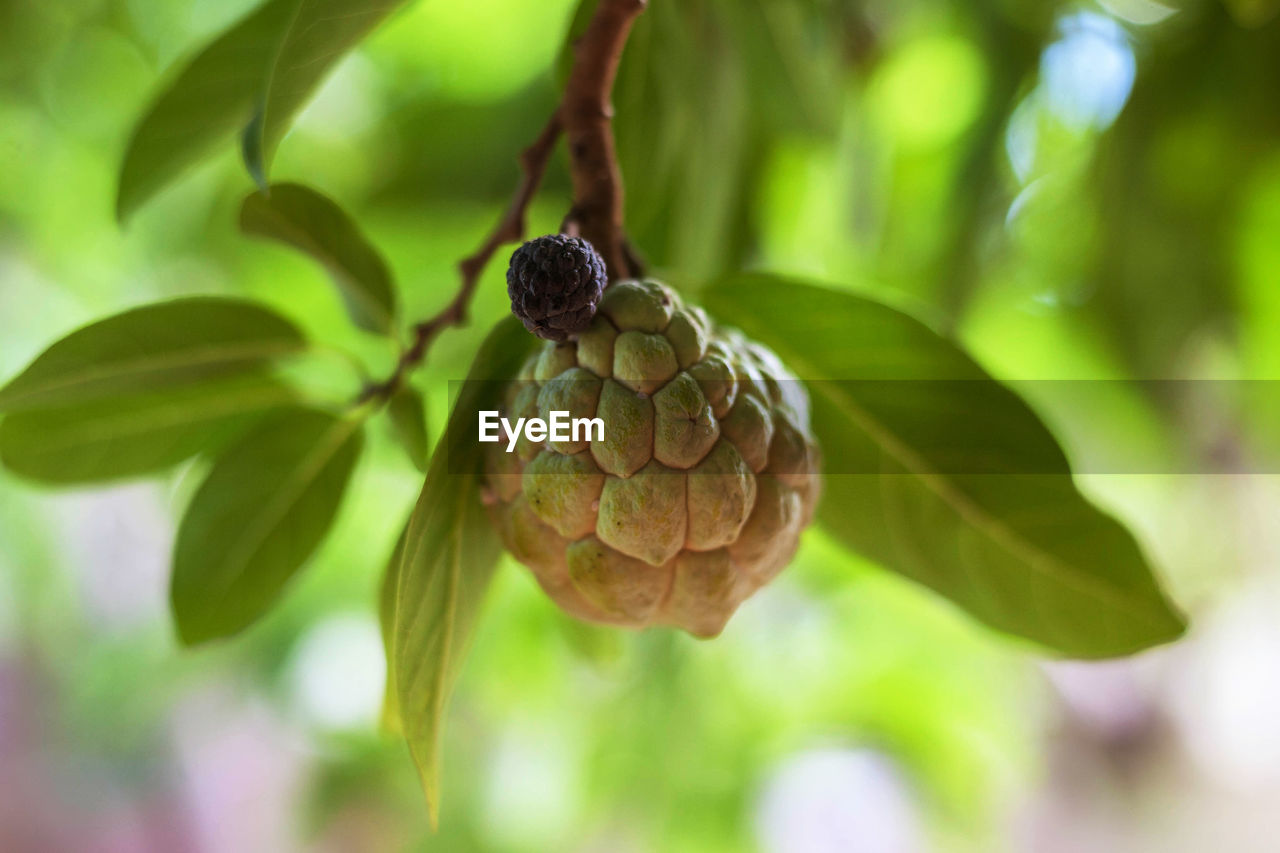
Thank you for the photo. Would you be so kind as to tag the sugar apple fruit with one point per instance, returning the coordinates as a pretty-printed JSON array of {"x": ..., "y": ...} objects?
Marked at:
[{"x": 698, "y": 492}]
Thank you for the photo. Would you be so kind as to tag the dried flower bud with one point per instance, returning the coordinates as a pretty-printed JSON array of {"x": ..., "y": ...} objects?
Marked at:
[{"x": 555, "y": 283}]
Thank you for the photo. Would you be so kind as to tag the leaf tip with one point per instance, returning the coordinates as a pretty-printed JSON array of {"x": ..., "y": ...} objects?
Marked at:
[
  {"x": 429, "y": 779},
  {"x": 251, "y": 149},
  {"x": 187, "y": 635},
  {"x": 124, "y": 207},
  {"x": 1177, "y": 624},
  {"x": 189, "y": 630}
]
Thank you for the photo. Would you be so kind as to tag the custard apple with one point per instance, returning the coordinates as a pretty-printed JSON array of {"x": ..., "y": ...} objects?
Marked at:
[{"x": 698, "y": 491}]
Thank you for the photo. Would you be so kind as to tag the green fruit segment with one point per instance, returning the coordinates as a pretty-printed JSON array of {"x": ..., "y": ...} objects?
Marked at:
[
  {"x": 645, "y": 306},
  {"x": 763, "y": 543},
  {"x": 554, "y": 360},
  {"x": 706, "y": 590},
  {"x": 750, "y": 428},
  {"x": 628, "y": 438},
  {"x": 643, "y": 362},
  {"x": 563, "y": 491},
  {"x": 688, "y": 338},
  {"x": 577, "y": 392},
  {"x": 685, "y": 427},
  {"x": 617, "y": 584},
  {"x": 722, "y": 493},
  {"x": 717, "y": 382},
  {"x": 595, "y": 347},
  {"x": 644, "y": 515}
]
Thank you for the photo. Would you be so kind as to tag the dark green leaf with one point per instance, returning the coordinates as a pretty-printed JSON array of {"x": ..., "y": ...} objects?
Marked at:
[
  {"x": 209, "y": 101},
  {"x": 156, "y": 346},
  {"x": 1023, "y": 550},
  {"x": 259, "y": 72},
  {"x": 264, "y": 508},
  {"x": 408, "y": 414},
  {"x": 314, "y": 224},
  {"x": 449, "y": 556},
  {"x": 132, "y": 434}
]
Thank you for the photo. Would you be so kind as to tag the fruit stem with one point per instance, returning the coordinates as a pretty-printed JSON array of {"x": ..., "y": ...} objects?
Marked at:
[{"x": 586, "y": 112}]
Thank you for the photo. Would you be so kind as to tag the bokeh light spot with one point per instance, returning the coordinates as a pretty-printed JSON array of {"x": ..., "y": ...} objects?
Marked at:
[
  {"x": 838, "y": 800},
  {"x": 477, "y": 51},
  {"x": 338, "y": 671},
  {"x": 1088, "y": 72},
  {"x": 930, "y": 91}
]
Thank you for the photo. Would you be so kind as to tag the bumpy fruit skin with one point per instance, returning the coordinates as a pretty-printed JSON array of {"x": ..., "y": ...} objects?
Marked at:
[
  {"x": 555, "y": 284},
  {"x": 698, "y": 493}
]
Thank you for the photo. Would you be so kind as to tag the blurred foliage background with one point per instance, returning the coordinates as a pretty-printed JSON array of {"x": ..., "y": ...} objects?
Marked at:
[{"x": 1073, "y": 190}]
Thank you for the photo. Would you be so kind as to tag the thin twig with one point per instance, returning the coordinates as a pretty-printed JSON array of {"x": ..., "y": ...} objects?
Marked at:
[
  {"x": 584, "y": 115},
  {"x": 533, "y": 164}
]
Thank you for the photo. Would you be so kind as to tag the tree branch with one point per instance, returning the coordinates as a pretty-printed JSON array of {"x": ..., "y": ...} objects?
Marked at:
[
  {"x": 586, "y": 112},
  {"x": 585, "y": 116},
  {"x": 533, "y": 163}
]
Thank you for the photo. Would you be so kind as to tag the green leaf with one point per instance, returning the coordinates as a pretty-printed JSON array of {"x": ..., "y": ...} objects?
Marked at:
[
  {"x": 388, "y": 591},
  {"x": 264, "y": 508},
  {"x": 319, "y": 32},
  {"x": 208, "y": 102},
  {"x": 153, "y": 347},
  {"x": 449, "y": 556},
  {"x": 256, "y": 74},
  {"x": 916, "y": 437},
  {"x": 133, "y": 434},
  {"x": 308, "y": 221},
  {"x": 408, "y": 413}
]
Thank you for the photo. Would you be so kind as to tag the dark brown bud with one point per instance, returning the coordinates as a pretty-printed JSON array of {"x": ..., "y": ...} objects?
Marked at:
[{"x": 555, "y": 283}]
